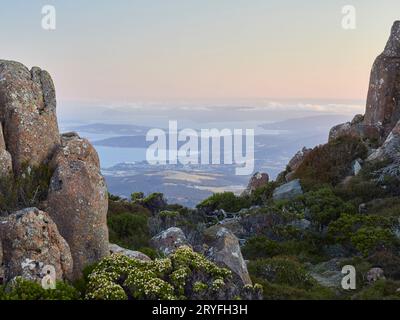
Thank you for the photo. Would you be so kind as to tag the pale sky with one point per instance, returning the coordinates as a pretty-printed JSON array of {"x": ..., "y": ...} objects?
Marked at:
[{"x": 155, "y": 50}]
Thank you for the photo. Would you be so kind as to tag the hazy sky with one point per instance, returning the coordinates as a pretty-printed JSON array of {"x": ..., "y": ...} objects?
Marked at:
[{"x": 155, "y": 50}]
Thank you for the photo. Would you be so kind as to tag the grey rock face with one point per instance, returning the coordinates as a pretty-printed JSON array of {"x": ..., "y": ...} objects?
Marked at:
[
  {"x": 169, "y": 241},
  {"x": 128, "y": 253},
  {"x": 28, "y": 113},
  {"x": 288, "y": 191},
  {"x": 224, "y": 250}
]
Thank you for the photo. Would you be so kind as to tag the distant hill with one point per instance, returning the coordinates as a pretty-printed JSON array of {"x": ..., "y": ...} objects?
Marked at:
[{"x": 314, "y": 123}]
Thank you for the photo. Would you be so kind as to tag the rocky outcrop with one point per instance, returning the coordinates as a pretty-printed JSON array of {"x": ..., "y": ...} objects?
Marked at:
[
  {"x": 78, "y": 201},
  {"x": 30, "y": 241},
  {"x": 295, "y": 163},
  {"x": 169, "y": 241},
  {"x": 390, "y": 150},
  {"x": 128, "y": 253},
  {"x": 258, "y": 180},
  {"x": 28, "y": 114},
  {"x": 288, "y": 191},
  {"x": 5, "y": 156},
  {"x": 77, "y": 198},
  {"x": 383, "y": 101},
  {"x": 224, "y": 250}
]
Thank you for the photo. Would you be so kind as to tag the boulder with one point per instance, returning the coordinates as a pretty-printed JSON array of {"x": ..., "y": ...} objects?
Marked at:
[
  {"x": 329, "y": 273},
  {"x": 30, "y": 241},
  {"x": 5, "y": 156},
  {"x": 224, "y": 250},
  {"x": 288, "y": 191},
  {"x": 375, "y": 274},
  {"x": 357, "y": 166},
  {"x": 78, "y": 201},
  {"x": 257, "y": 181},
  {"x": 128, "y": 253},
  {"x": 169, "y": 241},
  {"x": 28, "y": 113}
]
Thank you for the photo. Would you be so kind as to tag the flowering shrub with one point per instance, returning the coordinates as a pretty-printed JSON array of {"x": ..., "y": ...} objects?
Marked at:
[{"x": 182, "y": 275}]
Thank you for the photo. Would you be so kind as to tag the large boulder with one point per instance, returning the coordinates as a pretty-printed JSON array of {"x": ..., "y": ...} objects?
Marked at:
[
  {"x": 258, "y": 180},
  {"x": 224, "y": 250},
  {"x": 169, "y": 241},
  {"x": 5, "y": 156},
  {"x": 288, "y": 191},
  {"x": 30, "y": 241},
  {"x": 78, "y": 201},
  {"x": 28, "y": 113}
]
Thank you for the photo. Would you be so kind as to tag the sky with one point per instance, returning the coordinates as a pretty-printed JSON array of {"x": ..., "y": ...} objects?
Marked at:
[{"x": 193, "y": 50}]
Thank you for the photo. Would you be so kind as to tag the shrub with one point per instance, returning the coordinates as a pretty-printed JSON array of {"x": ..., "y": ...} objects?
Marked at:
[
  {"x": 27, "y": 189},
  {"x": 22, "y": 289},
  {"x": 263, "y": 194},
  {"x": 227, "y": 201},
  {"x": 380, "y": 290},
  {"x": 330, "y": 163},
  {"x": 137, "y": 196},
  {"x": 324, "y": 206},
  {"x": 129, "y": 230},
  {"x": 365, "y": 233},
  {"x": 185, "y": 274},
  {"x": 282, "y": 270}
]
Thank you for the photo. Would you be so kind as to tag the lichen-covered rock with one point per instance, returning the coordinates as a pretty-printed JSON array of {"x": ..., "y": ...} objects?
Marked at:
[
  {"x": 224, "y": 250},
  {"x": 258, "y": 180},
  {"x": 128, "y": 253},
  {"x": 375, "y": 274},
  {"x": 78, "y": 201},
  {"x": 5, "y": 156},
  {"x": 30, "y": 241},
  {"x": 288, "y": 191},
  {"x": 28, "y": 113},
  {"x": 169, "y": 241}
]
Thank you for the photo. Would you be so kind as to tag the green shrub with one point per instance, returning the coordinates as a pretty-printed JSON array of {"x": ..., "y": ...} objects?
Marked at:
[
  {"x": 23, "y": 289},
  {"x": 365, "y": 233},
  {"x": 264, "y": 194},
  {"x": 177, "y": 277},
  {"x": 380, "y": 290},
  {"x": 324, "y": 206},
  {"x": 227, "y": 201},
  {"x": 273, "y": 291},
  {"x": 282, "y": 270},
  {"x": 28, "y": 189},
  {"x": 137, "y": 196},
  {"x": 129, "y": 230}
]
